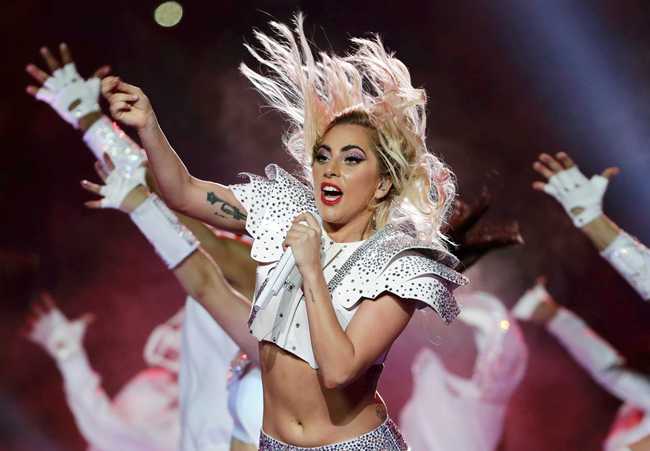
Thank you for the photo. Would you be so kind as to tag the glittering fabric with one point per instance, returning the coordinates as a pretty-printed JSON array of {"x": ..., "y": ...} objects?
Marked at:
[
  {"x": 632, "y": 261},
  {"x": 391, "y": 261},
  {"x": 385, "y": 438}
]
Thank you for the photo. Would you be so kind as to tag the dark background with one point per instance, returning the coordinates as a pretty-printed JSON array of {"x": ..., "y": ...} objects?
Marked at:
[{"x": 506, "y": 79}]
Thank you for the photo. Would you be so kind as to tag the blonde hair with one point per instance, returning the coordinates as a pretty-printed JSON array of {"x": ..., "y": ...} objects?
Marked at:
[{"x": 368, "y": 87}]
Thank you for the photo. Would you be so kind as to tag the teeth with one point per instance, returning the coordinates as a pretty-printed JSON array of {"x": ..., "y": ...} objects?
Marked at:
[{"x": 330, "y": 189}]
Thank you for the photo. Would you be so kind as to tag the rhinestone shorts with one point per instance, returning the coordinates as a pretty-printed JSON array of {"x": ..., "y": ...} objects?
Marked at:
[{"x": 385, "y": 438}]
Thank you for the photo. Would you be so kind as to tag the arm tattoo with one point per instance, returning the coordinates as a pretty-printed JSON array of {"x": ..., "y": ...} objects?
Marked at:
[{"x": 225, "y": 210}]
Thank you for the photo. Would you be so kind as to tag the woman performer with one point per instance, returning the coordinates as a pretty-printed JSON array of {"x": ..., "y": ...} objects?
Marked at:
[{"x": 358, "y": 127}]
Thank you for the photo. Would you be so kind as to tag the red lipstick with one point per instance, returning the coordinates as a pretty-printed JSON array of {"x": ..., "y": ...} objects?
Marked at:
[{"x": 330, "y": 194}]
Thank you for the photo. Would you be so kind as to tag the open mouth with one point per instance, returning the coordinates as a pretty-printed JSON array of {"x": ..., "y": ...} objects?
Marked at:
[{"x": 330, "y": 194}]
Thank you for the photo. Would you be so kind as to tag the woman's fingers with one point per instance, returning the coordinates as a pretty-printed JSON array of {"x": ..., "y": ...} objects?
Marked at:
[
  {"x": 108, "y": 162},
  {"x": 542, "y": 169},
  {"x": 95, "y": 204},
  {"x": 36, "y": 73},
  {"x": 32, "y": 90},
  {"x": 51, "y": 62},
  {"x": 539, "y": 186},
  {"x": 66, "y": 55},
  {"x": 101, "y": 170},
  {"x": 109, "y": 84},
  {"x": 47, "y": 300},
  {"x": 102, "y": 71},
  {"x": 91, "y": 187},
  {"x": 610, "y": 172},
  {"x": 551, "y": 162},
  {"x": 123, "y": 97},
  {"x": 130, "y": 89},
  {"x": 564, "y": 158},
  {"x": 119, "y": 107}
]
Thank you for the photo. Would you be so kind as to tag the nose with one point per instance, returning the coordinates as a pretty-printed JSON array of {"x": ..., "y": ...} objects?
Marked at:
[{"x": 332, "y": 168}]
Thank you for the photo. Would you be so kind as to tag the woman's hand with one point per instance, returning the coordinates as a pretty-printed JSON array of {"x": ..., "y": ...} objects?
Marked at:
[
  {"x": 304, "y": 239},
  {"x": 581, "y": 198},
  {"x": 128, "y": 104},
  {"x": 48, "y": 327},
  {"x": 119, "y": 192},
  {"x": 536, "y": 304},
  {"x": 72, "y": 97}
]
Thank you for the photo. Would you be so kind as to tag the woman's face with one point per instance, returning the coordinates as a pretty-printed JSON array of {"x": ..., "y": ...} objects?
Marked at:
[{"x": 346, "y": 176}]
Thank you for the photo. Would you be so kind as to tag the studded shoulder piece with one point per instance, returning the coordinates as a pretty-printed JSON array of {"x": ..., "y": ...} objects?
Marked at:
[
  {"x": 272, "y": 202},
  {"x": 396, "y": 262}
]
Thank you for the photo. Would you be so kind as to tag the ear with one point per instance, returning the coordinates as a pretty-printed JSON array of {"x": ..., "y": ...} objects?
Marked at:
[{"x": 383, "y": 187}]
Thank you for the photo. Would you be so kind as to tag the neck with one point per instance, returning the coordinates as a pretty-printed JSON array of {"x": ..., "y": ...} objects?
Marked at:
[{"x": 356, "y": 229}]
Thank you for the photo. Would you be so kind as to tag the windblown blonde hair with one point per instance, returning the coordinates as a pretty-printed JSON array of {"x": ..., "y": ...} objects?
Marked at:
[{"x": 367, "y": 87}]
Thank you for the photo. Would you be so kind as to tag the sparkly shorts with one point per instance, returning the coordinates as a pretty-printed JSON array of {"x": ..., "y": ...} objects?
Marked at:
[{"x": 385, "y": 438}]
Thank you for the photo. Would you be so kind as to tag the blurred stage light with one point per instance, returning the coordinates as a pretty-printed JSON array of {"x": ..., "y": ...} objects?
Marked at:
[
  {"x": 504, "y": 324},
  {"x": 168, "y": 14}
]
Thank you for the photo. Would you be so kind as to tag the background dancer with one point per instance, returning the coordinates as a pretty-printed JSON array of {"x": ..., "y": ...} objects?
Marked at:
[
  {"x": 204, "y": 349},
  {"x": 631, "y": 428}
]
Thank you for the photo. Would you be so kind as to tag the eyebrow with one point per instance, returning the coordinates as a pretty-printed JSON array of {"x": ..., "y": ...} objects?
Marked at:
[
  {"x": 343, "y": 149},
  {"x": 352, "y": 146}
]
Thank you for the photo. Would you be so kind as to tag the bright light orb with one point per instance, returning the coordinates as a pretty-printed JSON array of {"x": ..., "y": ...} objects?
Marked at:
[
  {"x": 504, "y": 324},
  {"x": 168, "y": 14}
]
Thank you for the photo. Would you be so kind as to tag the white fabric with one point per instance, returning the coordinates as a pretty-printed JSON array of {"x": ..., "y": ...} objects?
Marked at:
[
  {"x": 66, "y": 87},
  {"x": 172, "y": 240},
  {"x": 206, "y": 354},
  {"x": 106, "y": 137},
  {"x": 529, "y": 301},
  {"x": 163, "y": 347},
  {"x": 271, "y": 205},
  {"x": 632, "y": 261},
  {"x": 246, "y": 405},
  {"x": 573, "y": 190},
  {"x": 117, "y": 186},
  {"x": 607, "y": 368},
  {"x": 142, "y": 417},
  {"x": 449, "y": 412}
]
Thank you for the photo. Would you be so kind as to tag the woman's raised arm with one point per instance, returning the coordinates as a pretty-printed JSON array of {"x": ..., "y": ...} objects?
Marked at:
[{"x": 209, "y": 202}]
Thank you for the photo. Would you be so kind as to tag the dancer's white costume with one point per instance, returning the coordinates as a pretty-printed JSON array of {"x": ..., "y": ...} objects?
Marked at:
[
  {"x": 607, "y": 368},
  {"x": 449, "y": 412},
  {"x": 205, "y": 350},
  {"x": 144, "y": 414},
  {"x": 603, "y": 363},
  {"x": 632, "y": 261}
]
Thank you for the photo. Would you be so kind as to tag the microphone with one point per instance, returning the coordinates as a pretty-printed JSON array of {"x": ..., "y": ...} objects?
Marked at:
[{"x": 278, "y": 276}]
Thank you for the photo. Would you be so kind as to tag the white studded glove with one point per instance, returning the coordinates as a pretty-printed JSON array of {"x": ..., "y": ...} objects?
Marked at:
[
  {"x": 117, "y": 186},
  {"x": 574, "y": 191},
  {"x": 70, "y": 95}
]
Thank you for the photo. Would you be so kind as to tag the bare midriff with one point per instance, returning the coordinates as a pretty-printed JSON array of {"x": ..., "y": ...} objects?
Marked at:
[{"x": 300, "y": 411}]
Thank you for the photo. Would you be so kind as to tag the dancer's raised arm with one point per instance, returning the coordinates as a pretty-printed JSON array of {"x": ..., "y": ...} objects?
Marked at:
[
  {"x": 195, "y": 269},
  {"x": 210, "y": 202},
  {"x": 582, "y": 199}
]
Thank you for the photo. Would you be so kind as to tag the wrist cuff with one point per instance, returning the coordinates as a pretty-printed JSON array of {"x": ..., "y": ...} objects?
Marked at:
[
  {"x": 172, "y": 240},
  {"x": 105, "y": 136},
  {"x": 632, "y": 261}
]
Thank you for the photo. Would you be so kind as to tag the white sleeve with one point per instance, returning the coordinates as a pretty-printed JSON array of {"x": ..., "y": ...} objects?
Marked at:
[
  {"x": 99, "y": 422},
  {"x": 632, "y": 261},
  {"x": 271, "y": 204},
  {"x": 600, "y": 359}
]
